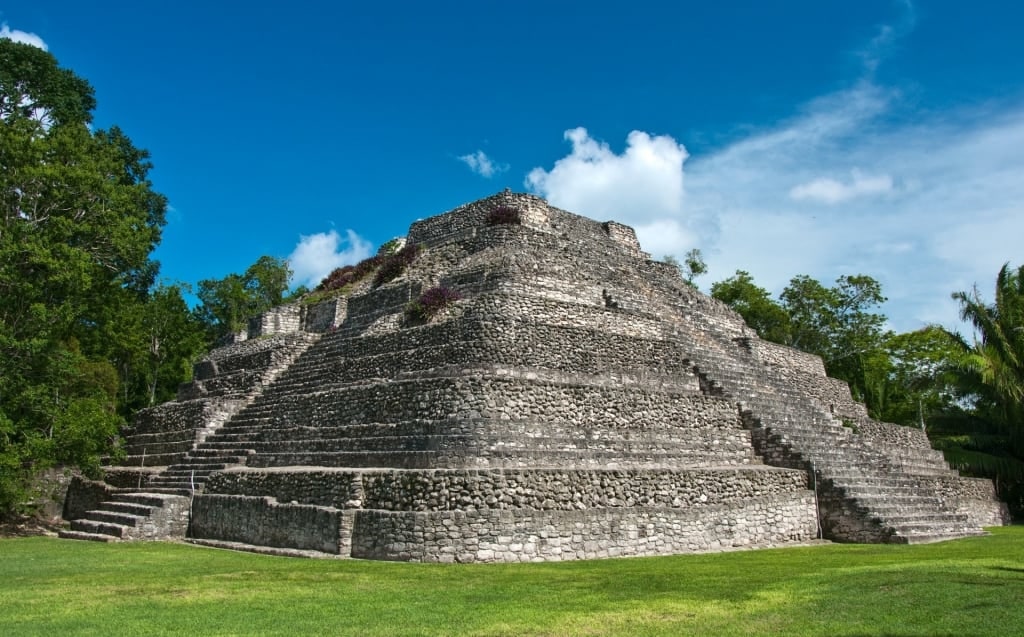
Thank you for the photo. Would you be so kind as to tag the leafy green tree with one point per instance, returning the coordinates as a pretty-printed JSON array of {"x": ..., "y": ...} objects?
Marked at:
[
  {"x": 227, "y": 304},
  {"x": 78, "y": 221},
  {"x": 755, "y": 305},
  {"x": 908, "y": 380},
  {"x": 838, "y": 324}
]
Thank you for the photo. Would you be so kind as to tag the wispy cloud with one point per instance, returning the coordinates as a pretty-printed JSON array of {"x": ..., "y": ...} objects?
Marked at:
[
  {"x": 316, "y": 255},
  {"x": 831, "y": 191},
  {"x": 7, "y": 33},
  {"x": 482, "y": 165},
  {"x": 856, "y": 181}
]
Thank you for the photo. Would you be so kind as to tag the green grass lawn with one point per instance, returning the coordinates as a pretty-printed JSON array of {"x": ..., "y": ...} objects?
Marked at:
[{"x": 972, "y": 586}]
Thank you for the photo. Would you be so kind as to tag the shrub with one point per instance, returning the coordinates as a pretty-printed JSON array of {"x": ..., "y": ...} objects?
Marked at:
[
  {"x": 504, "y": 215},
  {"x": 348, "y": 274},
  {"x": 430, "y": 303},
  {"x": 393, "y": 265}
]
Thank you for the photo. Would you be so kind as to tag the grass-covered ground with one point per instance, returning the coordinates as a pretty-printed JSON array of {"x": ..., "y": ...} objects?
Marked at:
[{"x": 966, "y": 587}]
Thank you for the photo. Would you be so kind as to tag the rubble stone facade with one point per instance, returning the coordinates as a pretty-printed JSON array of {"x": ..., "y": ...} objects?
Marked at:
[{"x": 579, "y": 401}]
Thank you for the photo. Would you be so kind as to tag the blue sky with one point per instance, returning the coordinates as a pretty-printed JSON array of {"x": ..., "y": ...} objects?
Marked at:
[{"x": 877, "y": 137}]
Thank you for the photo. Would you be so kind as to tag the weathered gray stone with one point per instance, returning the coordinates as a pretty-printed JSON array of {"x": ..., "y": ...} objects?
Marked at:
[{"x": 579, "y": 401}]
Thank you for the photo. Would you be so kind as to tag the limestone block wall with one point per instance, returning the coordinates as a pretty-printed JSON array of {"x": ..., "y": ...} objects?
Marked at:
[
  {"x": 283, "y": 319},
  {"x": 263, "y": 521},
  {"x": 788, "y": 358},
  {"x": 554, "y": 514},
  {"x": 464, "y": 220},
  {"x": 324, "y": 316},
  {"x": 392, "y": 298},
  {"x": 974, "y": 497},
  {"x": 890, "y": 434},
  {"x": 472, "y": 341},
  {"x": 571, "y": 489},
  {"x": 587, "y": 408},
  {"x": 317, "y": 486},
  {"x": 531, "y": 535}
]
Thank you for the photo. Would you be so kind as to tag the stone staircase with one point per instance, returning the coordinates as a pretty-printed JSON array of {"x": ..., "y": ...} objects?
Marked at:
[
  {"x": 863, "y": 495},
  {"x": 225, "y": 386},
  {"x": 133, "y": 516}
]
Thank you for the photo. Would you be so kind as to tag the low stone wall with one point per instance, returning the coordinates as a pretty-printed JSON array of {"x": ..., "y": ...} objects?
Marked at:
[
  {"x": 283, "y": 319},
  {"x": 337, "y": 488},
  {"x": 533, "y": 211},
  {"x": 974, "y": 497},
  {"x": 85, "y": 495},
  {"x": 541, "y": 489},
  {"x": 890, "y": 434},
  {"x": 507, "y": 399},
  {"x": 529, "y": 535},
  {"x": 263, "y": 521},
  {"x": 130, "y": 478},
  {"x": 363, "y": 309},
  {"x": 324, "y": 316},
  {"x": 777, "y": 355},
  {"x": 570, "y": 490}
]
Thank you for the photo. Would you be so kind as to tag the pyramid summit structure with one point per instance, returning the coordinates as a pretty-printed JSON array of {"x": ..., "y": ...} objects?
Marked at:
[{"x": 531, "y": 386}]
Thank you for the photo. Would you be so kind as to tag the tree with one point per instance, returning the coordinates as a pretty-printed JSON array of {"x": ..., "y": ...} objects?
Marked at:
[
  {"x": 837, "y": 324},
  {"x": 987, "y": 438},
  {"x": 78, "y": 221},
  {"x": 227, "y": 304},
  {"x": 755, "y": 305},
  {"x": 997, "y": 355},
  {"x": 908, "y": 381},
  {"x": 693, "y": 265}
]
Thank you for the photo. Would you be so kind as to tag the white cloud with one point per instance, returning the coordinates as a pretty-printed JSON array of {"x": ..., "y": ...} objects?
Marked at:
[
  {"x": 316, "y": 255},
  {"x": 642, "y": 187},
  {"x": 8, "y": 33},
  {"x": 830, "y": 191},
  {"x": 482, "y": 165},
  {"x": 937, "y": 205}
]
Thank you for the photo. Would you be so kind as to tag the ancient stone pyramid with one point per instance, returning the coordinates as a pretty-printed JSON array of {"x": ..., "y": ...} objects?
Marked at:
[{"x": 580, "y": 400}]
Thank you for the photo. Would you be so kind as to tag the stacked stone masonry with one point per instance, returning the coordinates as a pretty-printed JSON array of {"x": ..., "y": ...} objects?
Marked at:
[{"x": 579, "y": 401}]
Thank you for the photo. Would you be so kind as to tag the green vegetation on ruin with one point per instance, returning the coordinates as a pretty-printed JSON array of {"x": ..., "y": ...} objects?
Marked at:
[{"x": 971, "y": 586}]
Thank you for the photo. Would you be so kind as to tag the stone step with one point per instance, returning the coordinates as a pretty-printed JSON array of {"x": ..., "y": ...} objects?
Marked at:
[
  {"x": 199, "y": 468},
  {"x": 184, "y": 476},
  {"x": 223, "y": 454},
  {"x": 114, "y": 517},
  {"x": 264, "y": 550},
  {"x": 118, "y": 531},
  {"x": 169, "y": 490},
  {"x": 68, "y": 534},
  {"x": 928, "y": 538},
  {"x": 155, "y": 460},
  {"x": 152, "y": 498},
  {"x": 130, "y": 508}
]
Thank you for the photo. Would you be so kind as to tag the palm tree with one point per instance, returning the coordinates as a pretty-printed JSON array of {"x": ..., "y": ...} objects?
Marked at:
[
  {"x": 988, "y": 437},
  {"x": 996, "y": 359}
]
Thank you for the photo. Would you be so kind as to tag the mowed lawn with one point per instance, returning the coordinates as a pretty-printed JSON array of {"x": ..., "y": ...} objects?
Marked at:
[{"x": 973, "y": 586}]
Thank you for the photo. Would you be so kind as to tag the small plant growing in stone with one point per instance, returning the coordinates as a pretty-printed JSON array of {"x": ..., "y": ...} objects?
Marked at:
[
  {"x": 348, "y": 274},
  {"x": 430, "y": 303},
  {"x": 504, "y": 215},
  {"x": 393, "y": 265},
  {"x": 392, "y": 246}
]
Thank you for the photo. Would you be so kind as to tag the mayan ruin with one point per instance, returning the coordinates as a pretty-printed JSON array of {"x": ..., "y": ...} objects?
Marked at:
[{"x": 571, "y": 399}]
